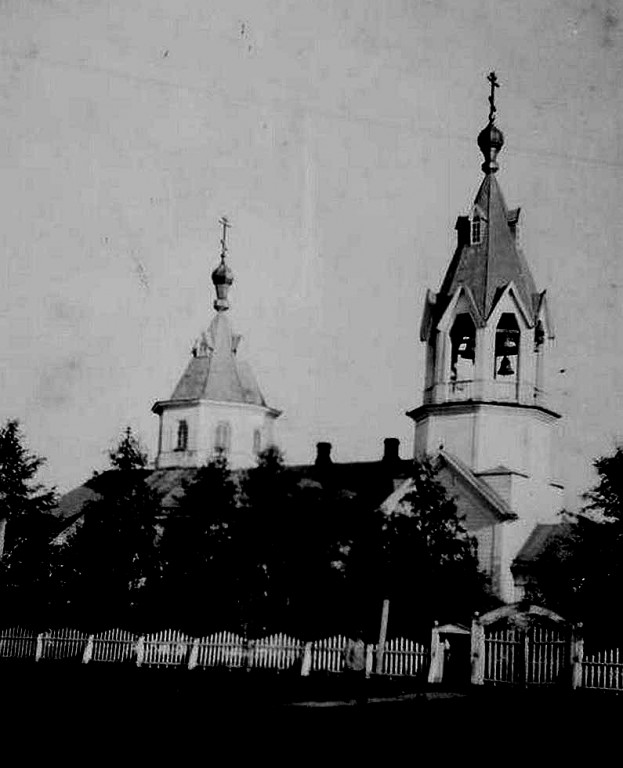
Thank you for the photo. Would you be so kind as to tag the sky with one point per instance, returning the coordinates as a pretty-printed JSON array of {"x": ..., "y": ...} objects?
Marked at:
[{"x": 340, "y": 140}]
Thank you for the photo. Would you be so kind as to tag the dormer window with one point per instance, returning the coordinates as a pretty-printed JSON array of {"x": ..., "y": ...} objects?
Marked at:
[
  {"x": 222, "y": 439},
  {"x": 476, "y": 230},
  {"x": 182, "y": 435}
]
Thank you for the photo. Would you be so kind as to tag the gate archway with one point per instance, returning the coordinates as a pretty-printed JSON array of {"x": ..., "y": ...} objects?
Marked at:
[{"x": 522, "y": 646}]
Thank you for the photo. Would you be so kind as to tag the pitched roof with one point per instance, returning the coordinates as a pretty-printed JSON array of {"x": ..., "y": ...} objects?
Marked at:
[
  {"x": 540, "y": 538},
  {"x": 372, "y": 480},
  {"x": 488, "y": 267},
  {"x": 215, "y": 372},
  {"x": 495, "y": 502}
]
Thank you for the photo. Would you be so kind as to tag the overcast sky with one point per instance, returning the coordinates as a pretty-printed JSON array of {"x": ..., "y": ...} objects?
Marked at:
[{"x": 340, "y": 139}]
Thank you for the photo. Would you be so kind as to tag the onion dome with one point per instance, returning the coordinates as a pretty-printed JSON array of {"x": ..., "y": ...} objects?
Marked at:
[
  {"x": 222, "y": 276},
  {"x": 490, "y": 141},
  {"x": 491, "y": 138}
]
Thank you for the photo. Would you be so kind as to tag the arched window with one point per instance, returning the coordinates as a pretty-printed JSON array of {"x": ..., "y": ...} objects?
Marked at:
[
  {"x": 506, "y": 347},
  {"x": 257, "y": 441},
  {"x": 222, "y": 440},
  {"x": 463, "y": 338},
  {"x": 182, "y": 435},
  {"x": 476, "y": 230}
]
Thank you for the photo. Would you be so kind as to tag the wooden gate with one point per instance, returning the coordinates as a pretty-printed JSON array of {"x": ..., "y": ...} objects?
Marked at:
[{"x": 527, "y": 647}]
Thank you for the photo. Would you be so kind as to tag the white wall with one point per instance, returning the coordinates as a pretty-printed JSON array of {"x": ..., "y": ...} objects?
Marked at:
[{"x": 203, "y": 419}]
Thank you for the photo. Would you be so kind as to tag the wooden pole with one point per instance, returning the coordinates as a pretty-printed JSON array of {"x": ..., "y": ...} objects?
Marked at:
[
  {"x": 478, "y": 651},
  {"x": 577, "y": 656},
  {"x": 380, "y": 649}
]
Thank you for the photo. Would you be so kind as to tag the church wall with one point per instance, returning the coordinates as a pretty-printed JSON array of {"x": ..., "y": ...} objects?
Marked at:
[
  {"x": 203, "y": 419},
  {"x": 477, "y": 521},
  {"x": 455, "y": 434}
]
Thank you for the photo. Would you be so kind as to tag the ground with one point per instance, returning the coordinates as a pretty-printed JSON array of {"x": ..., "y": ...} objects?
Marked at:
[{"x": 96, "y": 713}]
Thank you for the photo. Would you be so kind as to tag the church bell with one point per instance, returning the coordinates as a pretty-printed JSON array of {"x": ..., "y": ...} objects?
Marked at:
[
  {"x": 466, "y": 348},
  {"x": 505, "y": 369}
]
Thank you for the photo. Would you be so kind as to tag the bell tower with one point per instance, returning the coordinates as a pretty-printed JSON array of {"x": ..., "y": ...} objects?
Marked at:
[
  {"x": 217, "y": 405},
  {"x": 488, "y": 333}
]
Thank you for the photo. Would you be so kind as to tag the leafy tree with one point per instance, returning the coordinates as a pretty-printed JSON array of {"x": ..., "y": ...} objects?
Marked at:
[
  {"x": 25, "y": 525},
  {"x": 198, "y": 576},
  {"x": 113, "y": 555},
  {"x": 420, "y": 557},
  {"x": 261, "y": 544},
  {"x": 580, "y": 571}
]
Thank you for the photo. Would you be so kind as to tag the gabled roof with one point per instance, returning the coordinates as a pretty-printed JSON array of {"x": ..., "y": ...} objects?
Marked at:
[
  {"x": 215, "y": 372},
  {"x": 540, "y": 538},
  {"x": 488, "y": 267},
  {"x": 493, "y": 500}
]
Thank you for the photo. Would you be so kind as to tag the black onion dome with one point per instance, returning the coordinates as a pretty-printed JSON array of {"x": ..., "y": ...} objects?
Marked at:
[
  {"x": 490, "y": 137},
  {"x": 222, "y": 275}
]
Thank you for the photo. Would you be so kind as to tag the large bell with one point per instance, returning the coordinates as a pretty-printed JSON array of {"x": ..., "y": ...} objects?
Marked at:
[{"x": 505, "y": 369}]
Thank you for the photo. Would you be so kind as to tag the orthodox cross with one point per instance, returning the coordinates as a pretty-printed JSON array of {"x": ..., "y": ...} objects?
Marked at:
[
  {"x": 492, "y": 78},
  {"x": 226, "y": 225}
]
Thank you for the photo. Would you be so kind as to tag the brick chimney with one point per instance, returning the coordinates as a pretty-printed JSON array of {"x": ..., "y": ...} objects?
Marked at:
[
  {"x": 323, "y": 454},
  {"x": 391, "y": 451}
]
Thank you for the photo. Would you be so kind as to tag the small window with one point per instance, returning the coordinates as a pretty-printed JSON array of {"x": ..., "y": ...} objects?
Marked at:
[
  {"x": 182, "y": 435},
  {"x": 476, "y": 230},
  {"x": 257, "y": 441},
  {"x": 222, "y": 439}
]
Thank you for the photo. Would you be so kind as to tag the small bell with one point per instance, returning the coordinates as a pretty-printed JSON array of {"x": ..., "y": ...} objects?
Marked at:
[
  {"x": 466, "y": 348},
  {"x": 505, "y": 369}
]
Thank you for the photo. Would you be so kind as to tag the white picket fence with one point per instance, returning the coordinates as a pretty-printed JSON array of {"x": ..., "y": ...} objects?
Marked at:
[
  {"x": 603, "y": 670},
  {"x": 171, "y": 648}
]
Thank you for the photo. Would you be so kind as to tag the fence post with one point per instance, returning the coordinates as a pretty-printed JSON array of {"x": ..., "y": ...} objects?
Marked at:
[
  {"x": 369, "y": 659},
  {"x": 478, "y": 651},
  {"x": 88, "y": 650},
  {"x": 577, "y": 655},
  {"x": 380, "y": 648},
  {"x": 194, "y": 654},
  {"x": 140, "y": 650},
  {"x": 435, "y": 672},
  {"x": 307, "y": 660},
  {"x": 39, "y": 649},
  {"x": 249, "y": 654}
]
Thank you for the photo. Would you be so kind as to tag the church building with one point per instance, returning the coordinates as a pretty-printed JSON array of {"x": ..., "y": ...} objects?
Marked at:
[
  {"x": 485, "y": 409},
  {"x": 485, "y": 412}
]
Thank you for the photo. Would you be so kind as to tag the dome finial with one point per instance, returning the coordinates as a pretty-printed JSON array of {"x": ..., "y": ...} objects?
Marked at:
[
  {"x": 222, "y": 277},
  {"x": 491, "y": 138}
]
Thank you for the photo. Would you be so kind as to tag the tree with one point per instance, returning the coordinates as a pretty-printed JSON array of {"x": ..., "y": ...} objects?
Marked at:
[
  {"x": 198, "y": 574},
  {"x": 113, "y": 555},
  {"x": 579, "y": 573},
  {"x": 420, "y": 557},
  {"x": 261, "y": 543},
  {"x": 25, "y": 524}
]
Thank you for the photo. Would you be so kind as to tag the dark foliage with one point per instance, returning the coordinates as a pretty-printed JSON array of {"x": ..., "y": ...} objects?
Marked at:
[
  {"x": 421, "y": 558},
  {"x": 199, "y": 575},
  {"x": 111, "y": 564},
  {"x": 580, "y": 572},
  {"x": 25, "y": 529}
]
